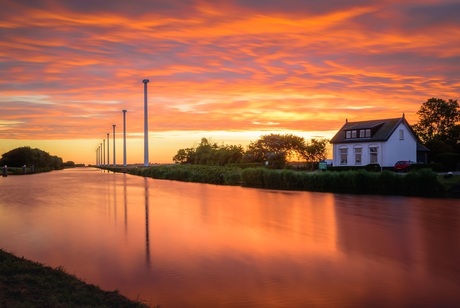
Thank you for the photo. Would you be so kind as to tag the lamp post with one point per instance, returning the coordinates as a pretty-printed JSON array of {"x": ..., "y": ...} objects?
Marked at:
[
  {"x": 100, "y": 154},
  {"x": 146, "y": 125},
  {"x": 124, "y": 137},
  {"x": 114, "y": 157},
  {"x": 103, "y": 154}
]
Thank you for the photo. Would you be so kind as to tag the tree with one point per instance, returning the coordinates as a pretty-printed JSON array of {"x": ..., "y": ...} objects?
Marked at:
[
  {"x": 27, "y": 156},
  {"x": 316, "y": 150},
  {"x": 209, "y": 153},
  {"x": 437, "y": 120},
  {"x": 276, "y": 149},
  {"x": 185, "y": 156}
]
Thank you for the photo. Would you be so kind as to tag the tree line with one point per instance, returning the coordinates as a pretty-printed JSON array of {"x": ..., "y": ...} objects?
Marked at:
[
  {"x": 273, "y": 150},
  {"x": 31, "y": 157}
]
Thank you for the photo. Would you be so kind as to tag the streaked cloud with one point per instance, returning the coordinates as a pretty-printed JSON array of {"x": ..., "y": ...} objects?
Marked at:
[{"x": 68, "y": 68}]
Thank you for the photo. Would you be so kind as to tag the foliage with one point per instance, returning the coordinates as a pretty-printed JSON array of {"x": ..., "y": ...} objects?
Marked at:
[
  {"x": 276, "y": 150},
  {"x": 192, "y": 173},
  {"x": 449, "y": 161},
  {"x": 438, "y": 119},
  {"x": 417, "y": 183},
  {"x": 207, "y": 153},
  {"x": 69, "y": 164},
  {"x": 315, "y": 151},
  {"x": 273, "y": 149},
  {"x": 27, "y": 156}
]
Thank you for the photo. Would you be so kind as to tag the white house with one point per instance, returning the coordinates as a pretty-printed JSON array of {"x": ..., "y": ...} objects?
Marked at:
[{"x": 382, "y": 142}]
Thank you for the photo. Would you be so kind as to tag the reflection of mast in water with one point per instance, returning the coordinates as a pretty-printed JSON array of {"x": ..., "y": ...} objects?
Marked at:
[
  {"x": 114, "y": 199},
  {"x": 147, "y": 241},
  {"x": 125, "y": 202}
]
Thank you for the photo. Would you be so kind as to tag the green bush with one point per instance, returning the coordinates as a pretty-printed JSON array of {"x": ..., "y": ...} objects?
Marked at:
[
  {"x": 253, "y": 177},
  {"x": 422, "y": 183},
  {"x": 415, "y": 183}
]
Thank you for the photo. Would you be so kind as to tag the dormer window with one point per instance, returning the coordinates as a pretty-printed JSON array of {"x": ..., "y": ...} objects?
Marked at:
[{"x": 362, "y": 133}]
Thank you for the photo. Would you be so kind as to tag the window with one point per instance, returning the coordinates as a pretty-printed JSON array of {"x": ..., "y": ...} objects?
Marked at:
[
  {"x": 362, "y": 133},
  {"x": 368, "y": 133},
  {"x": 348, "y": 134},
  {"x": 343, "y": 156},
  {"x": 373, "y": 155},
  {"x": 358, "y": 155},
  {"x": 401, "y": 134},
  {"x": 353, "y": 134}
]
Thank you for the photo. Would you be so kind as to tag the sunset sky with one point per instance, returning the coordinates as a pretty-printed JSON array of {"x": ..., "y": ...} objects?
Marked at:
[{"x": 229, "y": 70}]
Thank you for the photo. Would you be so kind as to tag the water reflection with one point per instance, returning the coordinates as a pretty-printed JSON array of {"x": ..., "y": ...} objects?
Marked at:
[
  {"x": 125, "y": 203},
  {"x": 147, "y": 228},
  {"x": 233, "y": 246}
]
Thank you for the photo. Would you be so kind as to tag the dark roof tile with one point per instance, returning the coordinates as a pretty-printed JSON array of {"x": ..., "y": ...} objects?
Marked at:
[{"x": 381, "y": 130}]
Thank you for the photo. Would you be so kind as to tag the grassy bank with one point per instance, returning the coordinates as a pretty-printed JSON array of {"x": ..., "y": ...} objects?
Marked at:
[
  {"x": 28, "y": 284},
  {"x": 424, "y": 183}
]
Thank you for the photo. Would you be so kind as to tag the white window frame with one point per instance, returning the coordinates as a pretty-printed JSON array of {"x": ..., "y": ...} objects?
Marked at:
[
  {"x": 358, "y": 153},
  {"x": 343, "y": 156},
  {"x": 354, "y": 134},
  {"x": 373, "y": 154}
]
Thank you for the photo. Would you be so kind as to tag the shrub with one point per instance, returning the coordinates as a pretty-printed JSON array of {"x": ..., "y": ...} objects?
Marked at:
[
  {"x": 253, "y": 177},
  {"x": 416, "y": 183},
  {"x": 422, "y": 183}
]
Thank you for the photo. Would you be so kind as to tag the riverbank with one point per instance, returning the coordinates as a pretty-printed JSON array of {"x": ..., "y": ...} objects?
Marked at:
[
  {"x": 422, "y": 183},
  {"x": 24, "y": 283}
]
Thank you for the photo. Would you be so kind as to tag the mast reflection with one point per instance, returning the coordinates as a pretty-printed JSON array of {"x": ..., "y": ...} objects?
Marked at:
[
  {"x": 147, "y": 229},
  {"x": 125, "y": 203}
]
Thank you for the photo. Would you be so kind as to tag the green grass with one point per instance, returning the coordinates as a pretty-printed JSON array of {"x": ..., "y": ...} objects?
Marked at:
[{"x": 25, "y": 283}]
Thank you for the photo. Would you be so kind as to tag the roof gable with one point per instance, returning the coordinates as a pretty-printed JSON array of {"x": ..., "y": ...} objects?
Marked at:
[{"x": 381, "y": 130}]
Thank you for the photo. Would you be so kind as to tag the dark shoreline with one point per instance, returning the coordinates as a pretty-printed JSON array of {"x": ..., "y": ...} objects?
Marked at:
[{"x": 25, "y": 283}]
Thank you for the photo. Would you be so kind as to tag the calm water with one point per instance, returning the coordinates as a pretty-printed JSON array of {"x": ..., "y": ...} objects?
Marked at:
[{"x": 195, "y": 245}]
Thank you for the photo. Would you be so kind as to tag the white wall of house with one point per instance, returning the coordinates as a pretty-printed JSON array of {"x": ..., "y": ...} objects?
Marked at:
[
  {"x": 353, "y": 153},
  {"x": 402, "y": 145}
]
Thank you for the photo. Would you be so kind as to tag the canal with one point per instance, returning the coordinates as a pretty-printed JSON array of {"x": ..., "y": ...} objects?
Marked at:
[{"x": 177, "y": 244}]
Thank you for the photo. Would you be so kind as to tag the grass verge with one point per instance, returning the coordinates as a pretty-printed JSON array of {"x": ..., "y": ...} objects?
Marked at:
[{"x": 24, "y": 283}]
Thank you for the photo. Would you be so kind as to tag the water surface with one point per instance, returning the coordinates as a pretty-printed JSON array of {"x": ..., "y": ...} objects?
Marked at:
[{"x": 196, "y": 245}]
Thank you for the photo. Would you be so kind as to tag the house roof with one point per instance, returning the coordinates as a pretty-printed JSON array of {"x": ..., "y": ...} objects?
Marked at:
[{"x": 381, "y": 130}]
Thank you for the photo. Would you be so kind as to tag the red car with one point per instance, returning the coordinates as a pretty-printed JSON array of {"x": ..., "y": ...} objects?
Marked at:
[{"x": 403, "y": 165}]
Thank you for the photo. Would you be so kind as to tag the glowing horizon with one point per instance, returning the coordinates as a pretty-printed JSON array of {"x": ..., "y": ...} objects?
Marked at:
[{"x": 241, "y": 68}]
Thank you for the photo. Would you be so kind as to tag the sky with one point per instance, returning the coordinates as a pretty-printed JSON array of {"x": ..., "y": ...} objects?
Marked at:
[{"x": 230, "y": 71}]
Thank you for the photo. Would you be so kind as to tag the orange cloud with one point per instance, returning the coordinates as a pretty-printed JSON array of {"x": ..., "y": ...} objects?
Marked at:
[{"x": 68, "y": 69}]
